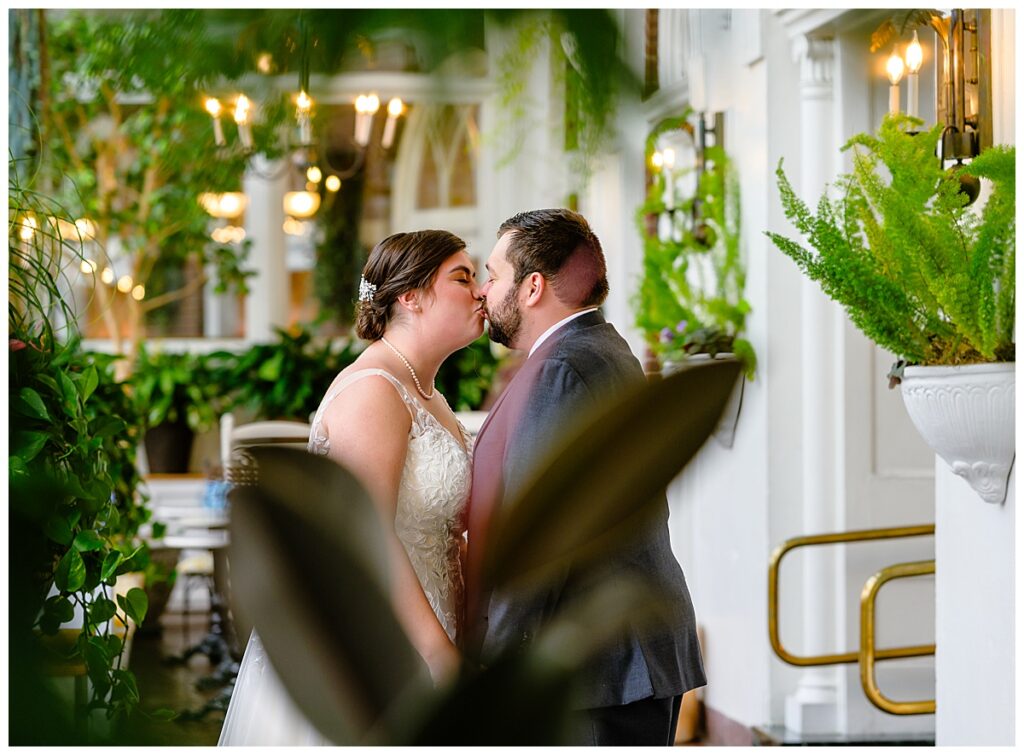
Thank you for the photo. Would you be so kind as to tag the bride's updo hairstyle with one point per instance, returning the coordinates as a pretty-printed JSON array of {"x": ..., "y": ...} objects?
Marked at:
[{"x": 401, "y": 262}]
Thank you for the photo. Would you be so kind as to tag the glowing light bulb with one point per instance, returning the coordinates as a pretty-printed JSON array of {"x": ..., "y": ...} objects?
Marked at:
[
  {"x": 395, "y": 109},
  {"x": 242, "y": 114},
  {"x": 657, "y": 160},
  {"x": 28, "y": 228},
  {"x": 214, "y": 108},
  {"x": 85, "y": 228},
  {"x": 124, "y": 284},
  {"x": 314, "y": 174},
  {"x": 894, "y": 68},
  {"x": 139, "y": 292},
  {"x": 88, "y": 266},
  {"x": 915, "y": 55},
  {"x": 669, "y": 157},
  {"x": 107, "y": 276},
  {"x": 333, "y": 183}
]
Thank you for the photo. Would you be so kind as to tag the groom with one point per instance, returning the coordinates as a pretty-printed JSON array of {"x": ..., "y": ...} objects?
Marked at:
[{"x": 547, "y": 278}]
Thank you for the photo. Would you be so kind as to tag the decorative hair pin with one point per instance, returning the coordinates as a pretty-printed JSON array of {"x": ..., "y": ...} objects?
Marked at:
[{"x": 366, "y": 289}]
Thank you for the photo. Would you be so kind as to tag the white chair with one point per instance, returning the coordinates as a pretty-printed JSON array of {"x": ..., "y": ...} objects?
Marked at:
[{"x": 239, "y": 469}]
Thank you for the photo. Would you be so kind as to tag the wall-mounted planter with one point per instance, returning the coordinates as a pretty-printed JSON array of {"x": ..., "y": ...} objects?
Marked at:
[
  {"x": 725, "y": 431},
  {"x": 966, "y": 415}
]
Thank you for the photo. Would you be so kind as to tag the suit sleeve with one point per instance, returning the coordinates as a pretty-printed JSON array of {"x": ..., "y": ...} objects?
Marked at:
[{"x": 557, "y": 397}]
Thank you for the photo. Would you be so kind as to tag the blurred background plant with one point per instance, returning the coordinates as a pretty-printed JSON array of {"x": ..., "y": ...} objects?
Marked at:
[
  {"x": 690, "y": 299},
  {"x": 122, "y": 142},
  {"x": 76, "y": 507}
]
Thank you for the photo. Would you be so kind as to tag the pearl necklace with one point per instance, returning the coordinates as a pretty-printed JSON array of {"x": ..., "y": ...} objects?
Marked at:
[{"x": 412, "y": 372}]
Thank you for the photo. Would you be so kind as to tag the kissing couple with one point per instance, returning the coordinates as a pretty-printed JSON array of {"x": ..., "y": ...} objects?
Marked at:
[{"x": 437, "y": 492}]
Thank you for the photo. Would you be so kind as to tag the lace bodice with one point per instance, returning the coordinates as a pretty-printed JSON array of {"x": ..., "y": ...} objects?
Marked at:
[{"x": 432, "y": 496}]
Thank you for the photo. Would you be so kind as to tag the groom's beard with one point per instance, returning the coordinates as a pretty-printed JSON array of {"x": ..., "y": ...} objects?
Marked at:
[{"x": 505, "y": 321}]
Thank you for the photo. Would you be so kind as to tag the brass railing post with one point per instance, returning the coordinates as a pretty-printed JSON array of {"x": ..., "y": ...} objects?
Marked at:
[{"x": 868, "y": 655}]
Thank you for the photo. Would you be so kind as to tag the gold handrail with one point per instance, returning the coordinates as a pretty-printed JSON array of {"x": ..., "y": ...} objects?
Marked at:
[
  {"x": 868, "y": 655},
  {"x": 884, "y": 533}
]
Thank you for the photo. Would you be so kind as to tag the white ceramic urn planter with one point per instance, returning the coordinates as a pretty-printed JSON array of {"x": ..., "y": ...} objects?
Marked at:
[{"x": 966, "y": 415}]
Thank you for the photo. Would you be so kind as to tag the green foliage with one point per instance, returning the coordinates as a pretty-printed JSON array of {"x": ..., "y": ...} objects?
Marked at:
[
  {"x": 466, "y": 376},
  {"x": 284, "y": 379},
  {"x": 175, "y": 387},
  {"x": 690, "y": 299},
  {"x": 918, "y": 271},
  {"x": 126, "y": 143},
  {"x": 75, "y": 507},
  {"x": 585, "y": 50}
]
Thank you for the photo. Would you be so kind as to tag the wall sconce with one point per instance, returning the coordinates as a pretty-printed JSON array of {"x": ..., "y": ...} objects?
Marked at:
[
  {"x": 965, "y": 82},
  {"x": 963, "y": 77}
]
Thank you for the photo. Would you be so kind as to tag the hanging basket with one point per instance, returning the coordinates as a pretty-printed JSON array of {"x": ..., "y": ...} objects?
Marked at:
[{"x": 966, "y": 415}]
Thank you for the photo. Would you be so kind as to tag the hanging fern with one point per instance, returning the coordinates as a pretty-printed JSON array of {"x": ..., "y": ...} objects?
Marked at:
[{"x": 917, "y": 270}]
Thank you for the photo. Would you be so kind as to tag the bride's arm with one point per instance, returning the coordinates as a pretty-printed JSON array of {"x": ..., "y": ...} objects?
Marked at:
[{"x": 368, "y": 426}]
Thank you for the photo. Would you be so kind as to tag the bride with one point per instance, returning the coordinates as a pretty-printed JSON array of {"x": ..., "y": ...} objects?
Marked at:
[{"x": 383, "y": 420}]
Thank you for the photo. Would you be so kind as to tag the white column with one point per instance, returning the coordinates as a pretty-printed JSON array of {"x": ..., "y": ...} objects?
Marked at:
[
  {"x": 266, "y": 304},
  {"x": 813, "y": 708},
  {"x": 975, "y": 614}
]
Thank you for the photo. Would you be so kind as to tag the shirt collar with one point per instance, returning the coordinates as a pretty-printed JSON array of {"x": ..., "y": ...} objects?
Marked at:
[{"x": 547, "y": 333}]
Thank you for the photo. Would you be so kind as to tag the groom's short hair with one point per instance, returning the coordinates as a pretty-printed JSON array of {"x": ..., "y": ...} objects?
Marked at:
[{"x": 558, "y": 244}]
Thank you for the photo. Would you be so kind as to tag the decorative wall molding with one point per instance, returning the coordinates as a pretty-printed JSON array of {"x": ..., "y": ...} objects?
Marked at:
[{"x": 816, "y": 57}]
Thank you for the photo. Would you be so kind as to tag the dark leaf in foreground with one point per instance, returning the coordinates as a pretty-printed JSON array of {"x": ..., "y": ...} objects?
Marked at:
[
  {"x": 605, "y": 479},
  {"x": 309, "y": 567}
]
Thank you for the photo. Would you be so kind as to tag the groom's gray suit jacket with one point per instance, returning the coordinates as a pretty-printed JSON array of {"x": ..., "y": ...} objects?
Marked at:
[{"x": 583, "y": 362}]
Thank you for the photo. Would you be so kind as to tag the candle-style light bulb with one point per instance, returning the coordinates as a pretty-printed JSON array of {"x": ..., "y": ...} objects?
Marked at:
[
  {"x": 395, "y": 109},
  {"x": 303, "y": 108},
  {"x": 915, "y": 57},
  {"x": 214, "y": 108},
  {"x": 242, "y": 108},
  {"x": 366, "y": 106},
  {"x": 894, "y": 69}
]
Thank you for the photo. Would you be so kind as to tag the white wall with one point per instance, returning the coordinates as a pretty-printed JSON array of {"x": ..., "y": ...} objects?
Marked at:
[
  {"x": 975, "y": 613},
  {"x": 731, "y": 507}
]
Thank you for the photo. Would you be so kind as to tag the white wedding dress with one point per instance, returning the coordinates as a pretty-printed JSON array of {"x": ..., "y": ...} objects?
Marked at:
[{"x": 432, "y": 497}]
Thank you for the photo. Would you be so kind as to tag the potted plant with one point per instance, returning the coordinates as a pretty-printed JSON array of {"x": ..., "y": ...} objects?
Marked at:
[
  {"x": 177, "y": 398},
  {"x": 690, "y": 303},
  {"x": 284, "y": 379},
  {"x": 929, "y": 278}
]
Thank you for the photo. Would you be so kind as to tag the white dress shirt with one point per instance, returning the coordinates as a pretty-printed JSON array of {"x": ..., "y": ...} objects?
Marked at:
[{"x": 547, "y": 333}]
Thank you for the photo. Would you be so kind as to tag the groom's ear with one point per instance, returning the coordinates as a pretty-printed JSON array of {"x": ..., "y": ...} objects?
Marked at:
[{"x": 534, "y": 286}]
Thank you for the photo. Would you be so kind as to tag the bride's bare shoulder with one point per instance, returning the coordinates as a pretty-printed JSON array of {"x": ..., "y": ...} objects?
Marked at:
[{"x": 366, "y": 394}]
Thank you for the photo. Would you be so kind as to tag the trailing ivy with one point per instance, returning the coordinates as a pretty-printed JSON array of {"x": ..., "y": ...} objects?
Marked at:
[
  {"x": 690, "y": 299},
  {"x": 75, "y": 504},
  {"x": 918, "y": 271}
]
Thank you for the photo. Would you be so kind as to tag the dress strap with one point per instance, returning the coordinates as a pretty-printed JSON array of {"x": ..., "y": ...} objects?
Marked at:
[{"x": 409, "y": 401}]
